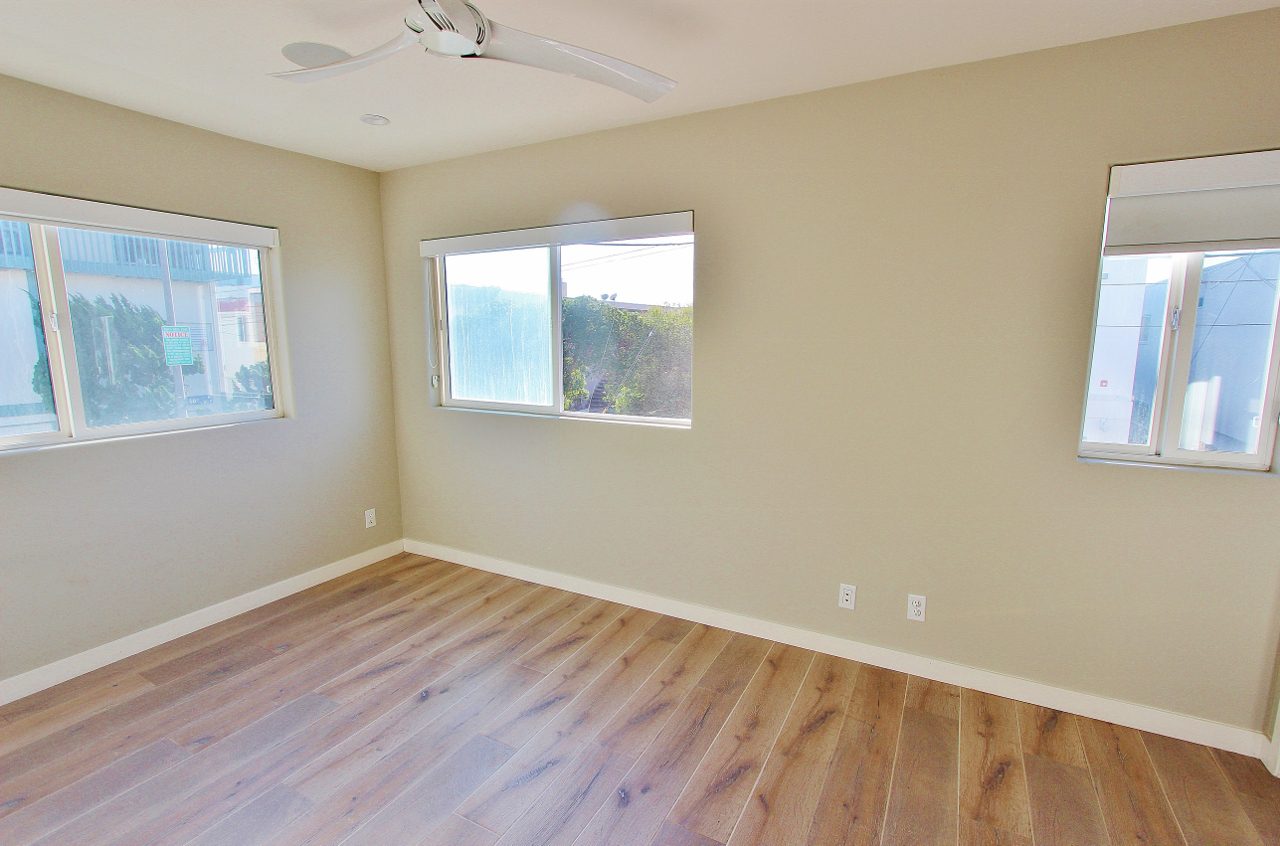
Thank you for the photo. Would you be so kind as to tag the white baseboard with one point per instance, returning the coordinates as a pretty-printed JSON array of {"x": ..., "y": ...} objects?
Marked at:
[
  {"x": 30, "y": 682},
  {"x": 1144, "y": 717}
]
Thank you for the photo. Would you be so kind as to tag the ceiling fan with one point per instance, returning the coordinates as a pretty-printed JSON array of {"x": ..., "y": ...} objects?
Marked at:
[{"x": 455, "y": 28}]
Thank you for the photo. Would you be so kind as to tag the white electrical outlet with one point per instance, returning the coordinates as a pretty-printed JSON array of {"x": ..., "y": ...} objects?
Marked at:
[
  {"x": 371, "y": 518},
  {"x": 915, "y": 607},
  {"x": 848, "y": 595}
]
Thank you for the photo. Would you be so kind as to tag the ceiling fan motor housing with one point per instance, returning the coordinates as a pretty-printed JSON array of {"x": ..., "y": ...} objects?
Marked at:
[{"x": 449, "y": 27}]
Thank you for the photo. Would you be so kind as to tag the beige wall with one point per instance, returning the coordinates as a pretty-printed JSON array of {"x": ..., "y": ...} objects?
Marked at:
[
  {"x": 895, "y": 287},
  {"x": 101, "y": 540}
]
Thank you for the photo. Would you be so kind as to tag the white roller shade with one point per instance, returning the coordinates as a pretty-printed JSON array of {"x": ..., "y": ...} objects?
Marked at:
[
  {"x": 1194, "y": 204},
  {"x": 591, "y": 232},
  {"x": 69, "y": 211}
]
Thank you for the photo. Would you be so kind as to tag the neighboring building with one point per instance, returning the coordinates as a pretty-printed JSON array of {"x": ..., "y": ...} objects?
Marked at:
[
  {"x": 1232, "y": 336},
  {"x": 215, "y": 291}
]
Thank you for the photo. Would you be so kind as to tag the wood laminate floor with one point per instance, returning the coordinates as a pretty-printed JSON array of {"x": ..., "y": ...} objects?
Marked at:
[{"x": 421, "y": 702}]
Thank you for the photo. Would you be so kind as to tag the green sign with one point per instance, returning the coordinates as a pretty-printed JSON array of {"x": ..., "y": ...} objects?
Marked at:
[{"x": 177, "y": 346}]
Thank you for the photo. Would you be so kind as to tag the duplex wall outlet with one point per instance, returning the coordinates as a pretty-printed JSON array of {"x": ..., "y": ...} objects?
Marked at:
[
  {"x": 848, "y": 596},
  {"x": 371, "y": 518},
  {"x": 915, "y": 607}
]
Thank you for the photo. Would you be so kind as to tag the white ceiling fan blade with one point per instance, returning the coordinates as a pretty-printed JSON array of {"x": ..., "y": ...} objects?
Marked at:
[
  {"x": 406, "y": 39},
  {"x": 312, "y": 54},
  {"x": 512, "y": 45}
]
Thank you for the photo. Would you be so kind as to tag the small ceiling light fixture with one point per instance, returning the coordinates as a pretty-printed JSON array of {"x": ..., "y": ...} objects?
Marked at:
[{"x": 375, "y": 120}]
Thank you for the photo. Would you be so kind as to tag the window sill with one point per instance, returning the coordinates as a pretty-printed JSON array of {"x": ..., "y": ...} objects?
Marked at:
[
  {"x": 1156, "y": 465},
  {"x": 111, "y": 439},
  {"x": 656, "y": 423}
]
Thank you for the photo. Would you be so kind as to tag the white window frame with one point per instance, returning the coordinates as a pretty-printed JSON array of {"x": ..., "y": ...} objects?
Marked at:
[
  {"x": 434, "y": 251},
  {"x": 1181, "y": 179},
  {"x": 1169, "y": 402},
  {"x": 43, "y": 213}
]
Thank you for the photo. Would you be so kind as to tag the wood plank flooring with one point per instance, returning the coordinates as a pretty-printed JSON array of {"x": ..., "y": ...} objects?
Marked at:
[{"x": 421, "y": 703}]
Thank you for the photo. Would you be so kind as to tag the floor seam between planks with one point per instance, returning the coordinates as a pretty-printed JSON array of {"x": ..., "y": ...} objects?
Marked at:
[{"x": 82, "y": 761}]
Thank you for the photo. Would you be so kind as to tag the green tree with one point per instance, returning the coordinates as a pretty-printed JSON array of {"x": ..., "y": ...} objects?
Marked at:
[
  {"x": 575, "y": 386},
  {"x": 40, "y": 382},
  {"x": 254, "y": 380},
  {"x": 120, "y": 361},
  {"x": 644, "y": 359}
]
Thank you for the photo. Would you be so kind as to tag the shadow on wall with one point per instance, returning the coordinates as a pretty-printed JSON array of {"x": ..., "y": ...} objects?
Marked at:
[{"x": 1273, "y": 718}]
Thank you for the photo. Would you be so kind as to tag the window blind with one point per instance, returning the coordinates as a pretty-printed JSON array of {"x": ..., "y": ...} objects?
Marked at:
[{"x": 1219, "y": 202}]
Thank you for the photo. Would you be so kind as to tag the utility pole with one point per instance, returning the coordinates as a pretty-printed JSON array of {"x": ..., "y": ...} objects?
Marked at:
[{"x": 171, "y": 315}]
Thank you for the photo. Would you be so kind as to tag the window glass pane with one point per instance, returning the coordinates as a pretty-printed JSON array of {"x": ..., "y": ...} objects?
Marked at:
[
  {"x": 627, "y": 327},
  {"x": 1231, "y": 352},
  {"x": 26, "y": 390},
  {"x": 1127, "y": 343},
  {"x": 165, "y": 329},
  {"x": 499, "y": 309}
]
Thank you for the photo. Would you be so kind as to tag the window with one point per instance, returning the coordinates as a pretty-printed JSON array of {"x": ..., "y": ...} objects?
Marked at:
[
  {"x": 117, "y": 321},
  {"x": 587, "y": 320},
  {"x": 1183, "y": 368}
]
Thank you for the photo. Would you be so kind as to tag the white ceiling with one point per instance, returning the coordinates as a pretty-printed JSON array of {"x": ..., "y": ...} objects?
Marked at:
[{"x": 205, "y": 62}]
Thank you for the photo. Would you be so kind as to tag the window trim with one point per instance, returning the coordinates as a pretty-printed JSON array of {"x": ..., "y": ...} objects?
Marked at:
[
  {"x": 433, "y": 252},
  {"x": 53, "y": 354},
  {"x": 43, "y": 213}
]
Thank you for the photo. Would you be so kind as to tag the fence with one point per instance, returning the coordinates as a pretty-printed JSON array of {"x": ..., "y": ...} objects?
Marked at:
[{"x": 134, "y": 256}]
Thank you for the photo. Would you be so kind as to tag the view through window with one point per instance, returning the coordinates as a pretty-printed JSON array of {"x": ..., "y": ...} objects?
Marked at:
[
  {"x": 500, "y": 326},
  {"x": 26, "y": 389},
  {"x": 627, "y": 327},
  {"x": 164, "y": 329},
  {"x": 576, "y": 325},
  {"x": 1183, "y": 354}
]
